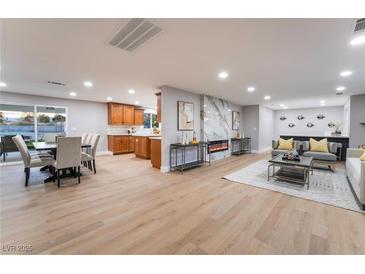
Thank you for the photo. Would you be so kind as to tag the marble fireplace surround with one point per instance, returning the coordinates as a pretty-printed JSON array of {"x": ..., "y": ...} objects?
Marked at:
[{"x": 216, "y": 122}]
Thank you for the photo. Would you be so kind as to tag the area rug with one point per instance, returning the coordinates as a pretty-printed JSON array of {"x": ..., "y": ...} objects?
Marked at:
[{"x": 325, "y": 186}]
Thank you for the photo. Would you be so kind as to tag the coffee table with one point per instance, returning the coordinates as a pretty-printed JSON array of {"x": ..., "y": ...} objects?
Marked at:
[{"x": 291, "y": 171}]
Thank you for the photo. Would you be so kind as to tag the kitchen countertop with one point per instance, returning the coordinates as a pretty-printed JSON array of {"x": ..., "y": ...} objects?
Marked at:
[
  {"x": 155, "y": 138},
  {"x": 135, "y": 134}
]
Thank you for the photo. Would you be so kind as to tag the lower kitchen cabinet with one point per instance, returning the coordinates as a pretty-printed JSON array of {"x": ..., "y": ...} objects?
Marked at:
[
  {"x": 120, "y": 144},
  {"x": 142, "y": 147}
]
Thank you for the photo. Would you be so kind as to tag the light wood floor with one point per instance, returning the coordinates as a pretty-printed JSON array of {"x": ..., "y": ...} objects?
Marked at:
[{"x": 130, "y": 208}]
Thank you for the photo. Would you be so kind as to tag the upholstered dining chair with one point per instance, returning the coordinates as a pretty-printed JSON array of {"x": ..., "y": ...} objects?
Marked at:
[
  {"x": 84, "y": 137},
  {"x": 68, "y": 156},
  {"x": 35, "y": 160},
  {"x": 52, "y": 137},
  {"x": 90, "y": 155}
]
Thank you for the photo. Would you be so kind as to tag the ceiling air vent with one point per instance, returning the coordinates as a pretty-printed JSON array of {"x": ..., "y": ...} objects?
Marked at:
[
  {"x": 360, "y": 25},
  {"x": 134, "y": 34},
  {"x": 56, "y": 83}
]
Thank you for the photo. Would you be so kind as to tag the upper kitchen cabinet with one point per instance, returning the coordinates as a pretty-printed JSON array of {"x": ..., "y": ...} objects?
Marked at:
[
  {"x": 138, "y": 117},
  {"x": 119, "y": 114},
  {"x": 115, "y": 114},
  {"x": 158, "y": 107},
  {"x": 128, "y": 115}
]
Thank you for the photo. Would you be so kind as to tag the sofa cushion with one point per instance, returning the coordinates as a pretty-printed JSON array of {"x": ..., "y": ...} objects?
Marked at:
[
  {"x": 285, "y": 144},
  {"x": 323, "y": 156},
  {"x": 362, "y": 158},
  {"x": 318, "y": 146}
]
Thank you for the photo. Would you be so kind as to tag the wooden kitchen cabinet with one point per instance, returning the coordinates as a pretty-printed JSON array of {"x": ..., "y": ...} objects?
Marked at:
[
  {"x": 156, "y": 153},
  {"x": 158, "y": 107},
  {"x": 120, "y": 144},
  {"x": 128, "y": 115},
  {"x": 115, "y": 114},
  {"x": 120, "y": 114},
  {"x": 142, "y": 147},
  {"x": 131, "y": 140},
  {"x": 138, "y": 117}
]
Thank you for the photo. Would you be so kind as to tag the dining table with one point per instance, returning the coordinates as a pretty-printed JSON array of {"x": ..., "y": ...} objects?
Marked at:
[{"x": 52, "y": 147}]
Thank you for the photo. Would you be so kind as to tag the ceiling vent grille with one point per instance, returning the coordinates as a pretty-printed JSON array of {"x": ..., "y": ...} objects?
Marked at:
[
  {"x": 134, "y": 33},
  {"x": 360, "y": 25}
]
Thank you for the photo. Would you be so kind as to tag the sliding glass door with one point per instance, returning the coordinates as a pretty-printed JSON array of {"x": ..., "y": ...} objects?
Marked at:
[
  {"x": 30, "y": 121},
  {"x": 50, "y": 120}
]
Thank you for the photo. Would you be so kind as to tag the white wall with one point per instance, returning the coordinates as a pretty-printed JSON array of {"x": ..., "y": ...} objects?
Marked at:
[
  {"x": 320, "y": 127},
  {"x": 169, "y": 98},
  {"x": 83, "y": 116},
  {"x": 266, "y": 128}
]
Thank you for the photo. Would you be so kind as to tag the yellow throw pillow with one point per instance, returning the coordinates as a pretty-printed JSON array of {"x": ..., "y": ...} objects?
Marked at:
[
  {"x": 362, "y": 158},
  {"x": 285, "y": 144},
  {"x": 318, "y": 146}
]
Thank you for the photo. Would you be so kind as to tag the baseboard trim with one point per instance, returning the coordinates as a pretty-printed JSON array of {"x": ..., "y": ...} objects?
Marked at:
[
  {"x": 101, "y": 153},
  {"x": 165, "y": 169}
]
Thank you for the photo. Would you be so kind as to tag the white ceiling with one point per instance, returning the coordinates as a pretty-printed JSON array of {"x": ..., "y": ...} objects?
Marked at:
[{"x": 296, "y": 61}]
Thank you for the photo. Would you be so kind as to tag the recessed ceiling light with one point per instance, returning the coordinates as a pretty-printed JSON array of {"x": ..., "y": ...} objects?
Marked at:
[
  {"x": 131, "y": 91},
  {"x": 88, "y": 84},
  {"x": 251, "y": 89},
  {"x": 285, "y": 107},
  {"x": 137, "y": 102},
  {"x": 229, "y": 109},
  {"x": 109, "y": 98},
  {"x": 223, "y": 75},
  {"x": 73, "y": 94},
  {"x": 267, "y": 97},
  {"x": 322, "y": 101},
  {"x": 340, "y": 88},
  {"x": 322, "y": 105},
  {"x": 282, "y": 105},
  {"x": 2, "y": 84},
  {"x": 358, "y": 40},
  {"x": 346, "y": 73}
]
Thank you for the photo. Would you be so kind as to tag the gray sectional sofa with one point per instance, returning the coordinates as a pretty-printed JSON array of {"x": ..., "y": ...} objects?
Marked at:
[
  {"x": 355, "y": 172},
  {"x": 275, "y": 151}
]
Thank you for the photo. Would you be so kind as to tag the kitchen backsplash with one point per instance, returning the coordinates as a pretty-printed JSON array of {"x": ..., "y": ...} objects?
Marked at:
[{"x": 124, "y": 130}]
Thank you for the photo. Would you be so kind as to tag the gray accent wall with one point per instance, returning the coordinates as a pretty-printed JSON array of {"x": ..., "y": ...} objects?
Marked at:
[
  {"x": 357, "y": 116},
  {"x": 169, "y": 98},
  {"x": 83, "y": 116},
  {"x": 266, "y": 128},
  {"x": 250, "y": 124}
]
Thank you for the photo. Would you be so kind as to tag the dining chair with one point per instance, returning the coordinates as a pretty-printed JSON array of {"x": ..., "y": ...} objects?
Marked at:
[
  {"x": 34, "y": 160},
  {"x": 51, "y": 138},
  {"x": 84, "y": 137},
  {"x": 68, "y": 156},
  {"x": 90, "y": 156}
]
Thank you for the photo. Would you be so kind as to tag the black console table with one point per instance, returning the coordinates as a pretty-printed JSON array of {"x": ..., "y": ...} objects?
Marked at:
[
  {"x": 201, "y": 155},
  {"x": 243, "y": 144},
  {"x": 343, "y": 140}
]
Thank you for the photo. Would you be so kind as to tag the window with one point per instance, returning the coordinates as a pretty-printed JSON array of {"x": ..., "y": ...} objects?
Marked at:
[
  {"x": 150, "y": 120},
  {"x": 17, "y": 119},
  {"x": 50, "y": 120},
  {"x": 20, "y": 119}
]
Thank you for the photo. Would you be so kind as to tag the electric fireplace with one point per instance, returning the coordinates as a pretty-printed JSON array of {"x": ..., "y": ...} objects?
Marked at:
[{"x": 218, "y": 145}]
